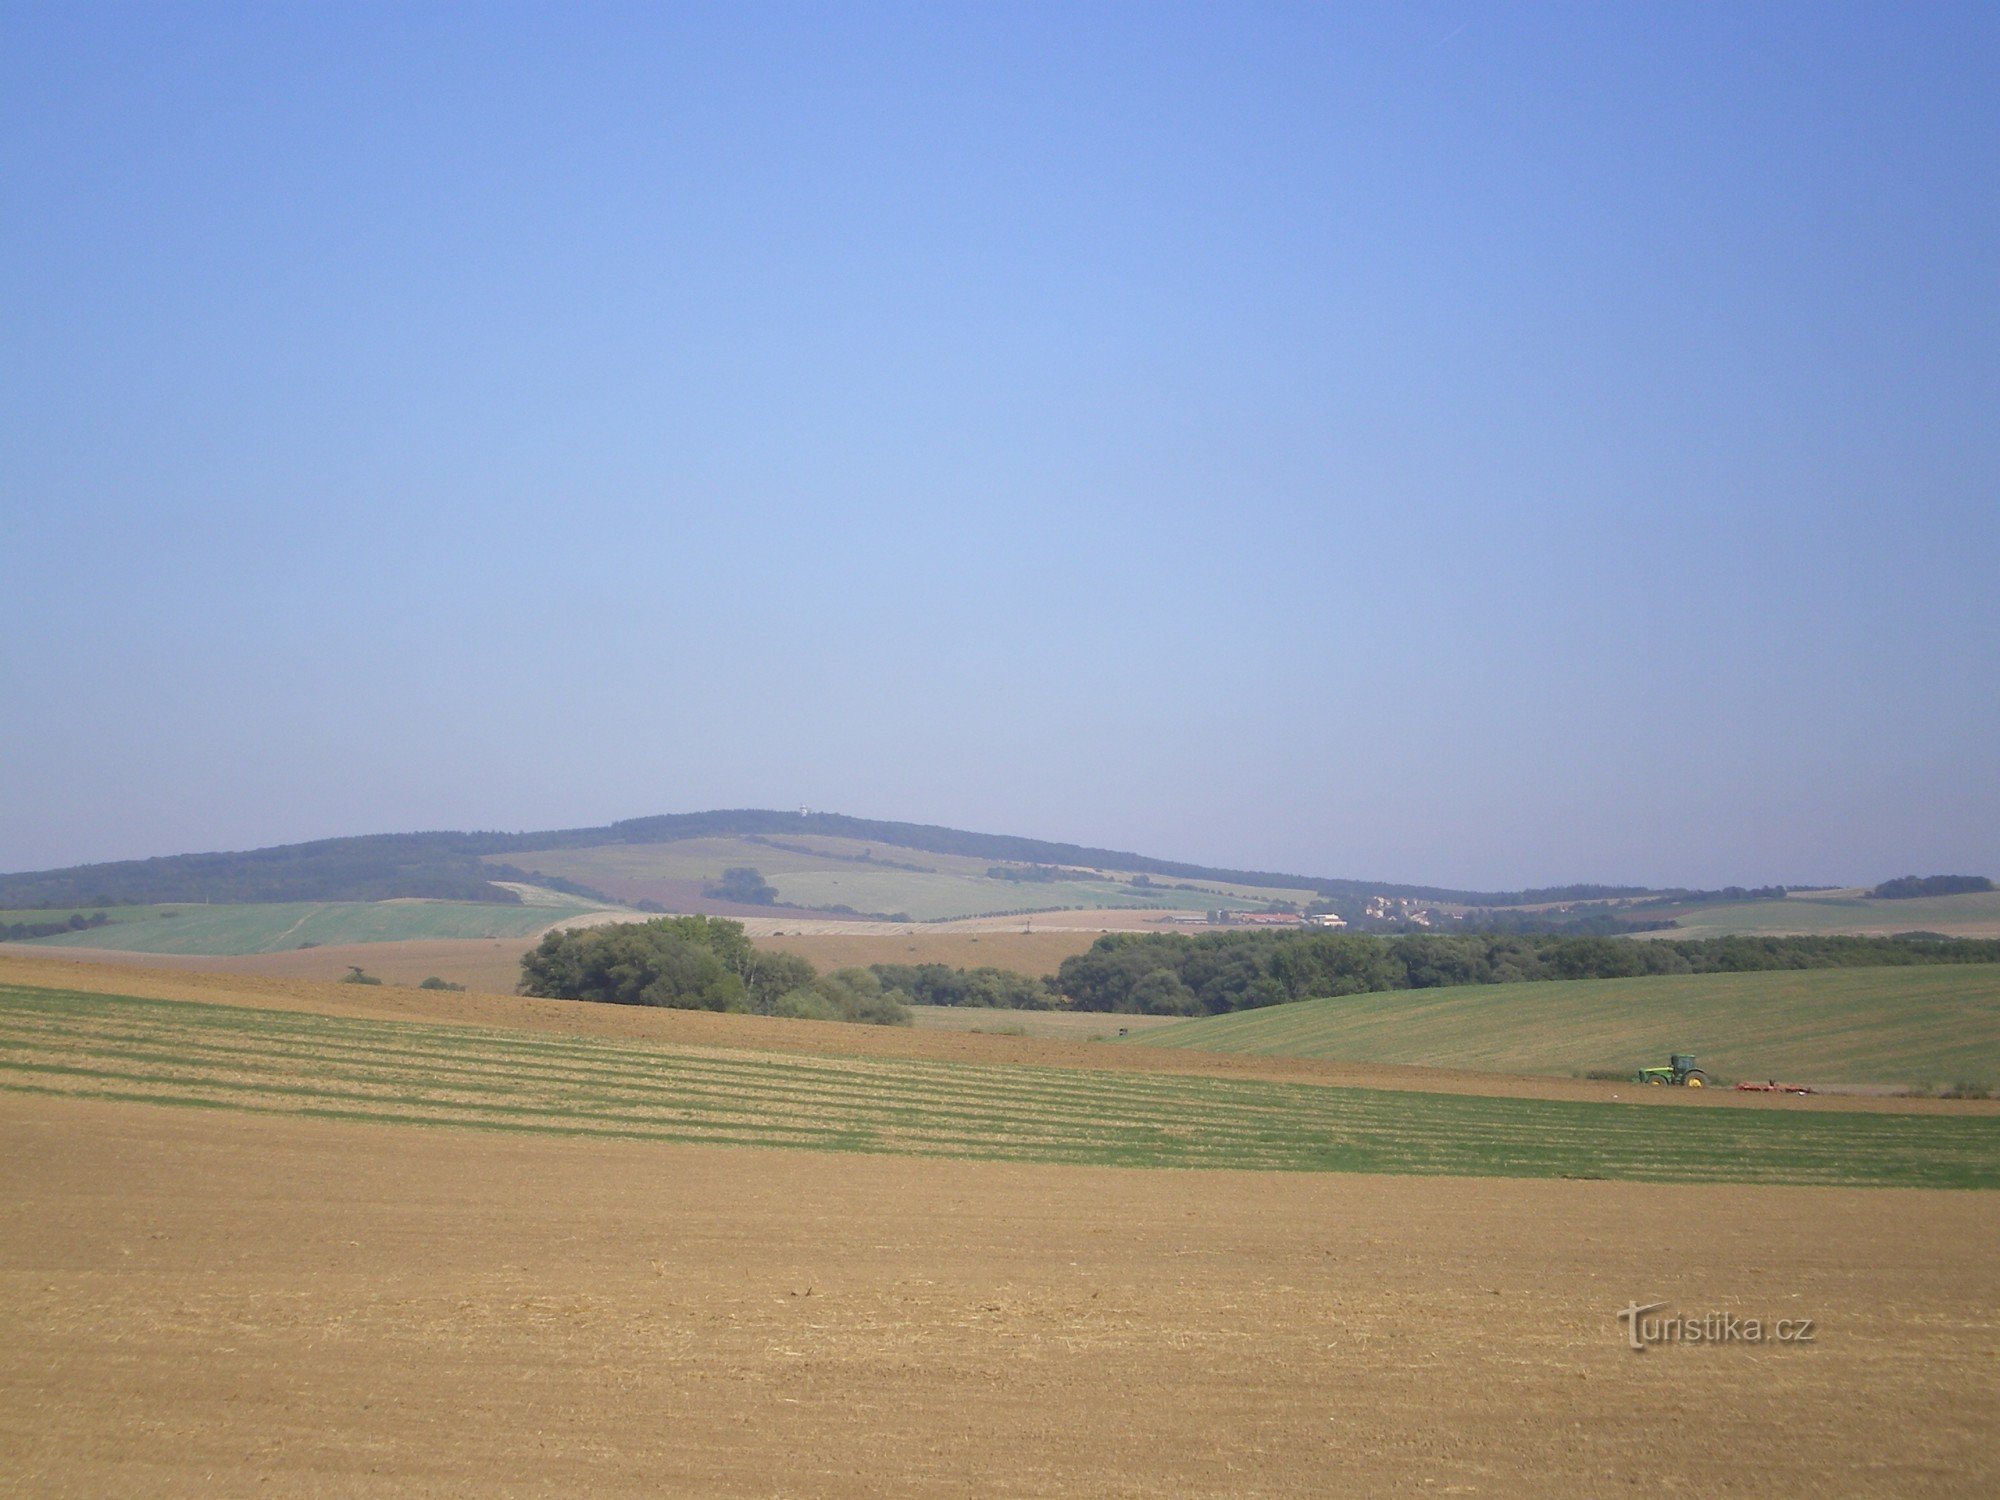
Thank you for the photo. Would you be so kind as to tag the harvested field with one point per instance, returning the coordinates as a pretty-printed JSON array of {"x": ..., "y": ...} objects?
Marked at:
[
  {"x": 491, "y": 964},
  {"x": 200, "y": 1302},
  {"x": 221, "y": 1057},
  {"x": 1065, "y": 1025},
  {"x": 1902, "y": 1025},
  {"x": 564, "y": 1018}
]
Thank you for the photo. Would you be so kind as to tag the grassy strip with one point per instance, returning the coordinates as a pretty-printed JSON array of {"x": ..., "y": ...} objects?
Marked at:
[{"x": 290, "y": 1063}]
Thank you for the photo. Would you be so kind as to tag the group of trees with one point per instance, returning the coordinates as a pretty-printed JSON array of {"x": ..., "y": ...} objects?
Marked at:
[
  {"x": 76, "y": 921},
  {"x": 1171, "y": 974},
  {"x": 708, "y": 963},
  {"x": 742, "y": 884},
  {"x": 1930, "y": 885},
  {"x": 701, "y": 963},
  {"x": 940, "y": 984}
]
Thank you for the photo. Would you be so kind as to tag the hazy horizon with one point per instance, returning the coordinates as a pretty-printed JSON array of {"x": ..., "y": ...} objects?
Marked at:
[
  {"x": 1470, "y": 447},
  {"x": 1160, "y": 854}
]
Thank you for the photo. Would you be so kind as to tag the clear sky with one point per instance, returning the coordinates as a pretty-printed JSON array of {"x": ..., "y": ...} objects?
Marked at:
[{"x": 1471, "y": 444}]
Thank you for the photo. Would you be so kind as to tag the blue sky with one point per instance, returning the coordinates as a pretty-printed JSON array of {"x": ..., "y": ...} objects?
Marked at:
[{"x": 1482, "y": 445}]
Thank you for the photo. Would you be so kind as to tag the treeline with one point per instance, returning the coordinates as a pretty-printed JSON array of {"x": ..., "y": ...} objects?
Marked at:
[
  {"x": 22, "y": 932},
  {"x": 1930, "y": 885},
  {"x": 939, "y": 984},
  {"x": 1170, "y": 974},
  {"x": 1043, "y": 874},
  {"x": 701, "y": 963}
]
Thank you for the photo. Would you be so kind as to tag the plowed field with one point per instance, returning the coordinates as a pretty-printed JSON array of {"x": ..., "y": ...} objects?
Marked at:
[{"x": 216, "y": 1303}]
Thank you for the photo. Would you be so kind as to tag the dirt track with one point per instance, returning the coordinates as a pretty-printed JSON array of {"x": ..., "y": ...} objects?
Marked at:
[{"x": 200, "y": 1303}]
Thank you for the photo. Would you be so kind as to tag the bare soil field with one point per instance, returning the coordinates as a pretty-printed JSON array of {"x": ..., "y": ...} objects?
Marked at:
[
  {"x": 492, "y": 964},
  {"x": 769, "y": 1035},
  {"x": 217, "y": 1304}
]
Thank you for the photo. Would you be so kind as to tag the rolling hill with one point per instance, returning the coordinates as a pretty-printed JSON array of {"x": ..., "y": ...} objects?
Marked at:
[
  {"x": 1894, "y": 1025},
  {"x": 653, "y": 852},
  {"x": 811, "y": 865},
  {"x": 275, "y": 927}
]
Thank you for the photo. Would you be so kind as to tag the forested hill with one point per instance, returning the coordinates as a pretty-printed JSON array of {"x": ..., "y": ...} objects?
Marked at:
[
  {"x": 377, "y": 867},
  {"x": 453, "y": 866}
]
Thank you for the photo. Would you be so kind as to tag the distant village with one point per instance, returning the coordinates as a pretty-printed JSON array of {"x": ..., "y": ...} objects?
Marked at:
[{"x": 1396, "y": 909}]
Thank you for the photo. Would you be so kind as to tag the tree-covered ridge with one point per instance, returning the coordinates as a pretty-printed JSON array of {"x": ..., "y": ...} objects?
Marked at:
[
  {"x": 1210, "y": 974},
  {"x": 374, "y": 867}
]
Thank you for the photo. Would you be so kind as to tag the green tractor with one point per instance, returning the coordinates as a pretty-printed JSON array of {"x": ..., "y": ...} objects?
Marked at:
[{"x": 1680, "y": 1069}]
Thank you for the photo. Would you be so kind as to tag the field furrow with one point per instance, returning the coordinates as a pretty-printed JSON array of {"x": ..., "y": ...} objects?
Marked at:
[{"x": 283, "y": 1062}]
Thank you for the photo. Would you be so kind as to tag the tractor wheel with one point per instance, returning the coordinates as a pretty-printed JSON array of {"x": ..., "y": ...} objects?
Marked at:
[
  {"x": 1696, "y": 1080},
  {"x": 1653, "y": 1079}
]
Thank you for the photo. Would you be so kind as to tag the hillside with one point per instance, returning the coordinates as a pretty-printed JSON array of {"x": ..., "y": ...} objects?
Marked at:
[
  {"x": 824, "y": 874},
  {"x": 652, "y": 853},
  {"x": 810, "y": 865},
  {"x": 273, "y": 927},
  {"x": 1892, "y": 1025}
]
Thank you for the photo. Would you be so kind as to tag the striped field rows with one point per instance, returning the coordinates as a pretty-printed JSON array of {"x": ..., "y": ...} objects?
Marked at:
[{"x": 226, "y": 1057}]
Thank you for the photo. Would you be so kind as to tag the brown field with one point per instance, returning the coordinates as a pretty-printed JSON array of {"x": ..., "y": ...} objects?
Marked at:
[
  {"x": 492, "y": 964},
  {"x": 218, "y": 1304}
]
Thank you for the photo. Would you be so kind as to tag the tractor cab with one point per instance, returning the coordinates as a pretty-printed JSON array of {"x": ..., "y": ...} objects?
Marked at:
[{"x": 1680, "y": 1070}]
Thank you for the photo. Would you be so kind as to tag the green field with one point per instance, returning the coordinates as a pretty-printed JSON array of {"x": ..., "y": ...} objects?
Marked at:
[
  {"x": 817, "y": 871},
  {"x": 225, "y": 1057},
  {"x": 1976, "y": 914},
  {"x": 1938, "y": 1024},
  {"x": 218, "y": 931}
]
